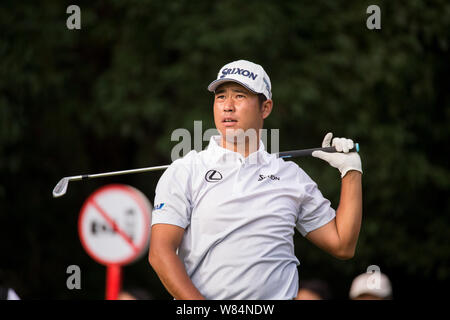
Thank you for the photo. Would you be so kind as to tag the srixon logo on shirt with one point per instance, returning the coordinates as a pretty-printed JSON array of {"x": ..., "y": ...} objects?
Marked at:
[
  {"x": 270, "y": 176},
  {"x": 239, "y": 71}
]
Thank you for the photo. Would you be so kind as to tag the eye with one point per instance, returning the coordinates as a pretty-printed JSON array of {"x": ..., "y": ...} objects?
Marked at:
[
  {"x": 240, "y": 96},
  {"x": 221, "y": 96}
]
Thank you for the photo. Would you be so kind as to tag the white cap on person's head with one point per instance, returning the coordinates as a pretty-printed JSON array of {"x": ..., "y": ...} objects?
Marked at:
[
  {"x": 363, "y": 284},
  {"x": 248, "y": 74}
]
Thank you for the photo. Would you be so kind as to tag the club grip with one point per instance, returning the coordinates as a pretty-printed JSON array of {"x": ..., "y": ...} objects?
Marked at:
[{"x": 308, "y": 152}]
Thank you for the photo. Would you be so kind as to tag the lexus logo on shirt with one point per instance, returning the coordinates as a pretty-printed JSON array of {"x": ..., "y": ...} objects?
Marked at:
[{"x": 213, "y": 176}]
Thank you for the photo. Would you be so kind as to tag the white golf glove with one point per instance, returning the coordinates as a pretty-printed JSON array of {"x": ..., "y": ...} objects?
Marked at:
[{"x": 342, "y": 160}]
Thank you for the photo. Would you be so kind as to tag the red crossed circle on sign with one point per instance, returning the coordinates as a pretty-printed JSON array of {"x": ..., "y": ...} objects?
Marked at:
[{"x": 140, "y": 200}]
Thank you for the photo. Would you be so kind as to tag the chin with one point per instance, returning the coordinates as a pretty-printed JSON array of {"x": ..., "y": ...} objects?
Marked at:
[{"x": 239, "y": 135}]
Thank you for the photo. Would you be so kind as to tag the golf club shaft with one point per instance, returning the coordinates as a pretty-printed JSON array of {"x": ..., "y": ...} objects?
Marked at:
[
  {"x": 308, "y": 152},
  {"x": 285, "y": 154},
  {"x": 61, "y": 188},
  {"x": 116, "y": 173}
]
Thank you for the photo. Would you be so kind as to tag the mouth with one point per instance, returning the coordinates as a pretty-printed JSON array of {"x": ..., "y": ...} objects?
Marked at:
[{"x": 229, "y": 122}]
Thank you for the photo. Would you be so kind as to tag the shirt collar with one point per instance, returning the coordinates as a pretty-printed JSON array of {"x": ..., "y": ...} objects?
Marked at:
[{"x": 219, "y": 154}]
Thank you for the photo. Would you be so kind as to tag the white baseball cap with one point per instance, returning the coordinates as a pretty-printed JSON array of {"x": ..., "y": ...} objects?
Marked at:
[
  {"x": 363, "y": 284},
  {"x": 247, "y": 74}
]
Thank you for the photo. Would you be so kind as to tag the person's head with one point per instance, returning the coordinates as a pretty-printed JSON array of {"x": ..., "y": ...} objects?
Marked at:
[
  {"x": 134, "y": 293},
  {"x": 370, "y": 286},
  {"x": 313, "y": 290},
  {"x": 242, "y": 98}
]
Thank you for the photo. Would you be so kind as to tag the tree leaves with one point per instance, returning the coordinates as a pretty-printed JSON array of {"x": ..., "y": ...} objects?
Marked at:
[{"x": 109, "y": 95}]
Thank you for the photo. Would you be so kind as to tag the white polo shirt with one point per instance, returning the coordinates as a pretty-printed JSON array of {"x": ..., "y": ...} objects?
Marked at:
[{"x": 239, "y": 216}]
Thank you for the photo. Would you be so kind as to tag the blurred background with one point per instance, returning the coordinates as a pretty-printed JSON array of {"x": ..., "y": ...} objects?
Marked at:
[{"x": 108, "y": 96}]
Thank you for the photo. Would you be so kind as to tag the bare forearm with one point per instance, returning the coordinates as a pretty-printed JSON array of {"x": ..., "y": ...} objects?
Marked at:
[
  {"x": 349, "y": 212},
  {"x": 172, "y": 274}
]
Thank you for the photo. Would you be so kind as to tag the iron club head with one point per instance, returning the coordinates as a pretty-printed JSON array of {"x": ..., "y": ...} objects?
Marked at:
[{"x": 61, "y": 188}]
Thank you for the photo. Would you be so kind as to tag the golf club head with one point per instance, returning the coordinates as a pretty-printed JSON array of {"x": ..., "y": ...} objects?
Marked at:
[{"x": 61, "y": 188}]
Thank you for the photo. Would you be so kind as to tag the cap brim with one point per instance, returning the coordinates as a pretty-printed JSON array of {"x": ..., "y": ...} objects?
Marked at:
[{"x": 213, "y": 85}]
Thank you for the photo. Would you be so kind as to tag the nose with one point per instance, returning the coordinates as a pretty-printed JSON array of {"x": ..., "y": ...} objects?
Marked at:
[{"x": 228, "y": 106}]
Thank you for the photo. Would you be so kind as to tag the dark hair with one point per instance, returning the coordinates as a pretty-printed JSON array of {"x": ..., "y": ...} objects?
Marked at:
[
  {"x": 138, "y": 293},
  {"x": 261, "y": 99},
  {"x": 320, "y": 287}
]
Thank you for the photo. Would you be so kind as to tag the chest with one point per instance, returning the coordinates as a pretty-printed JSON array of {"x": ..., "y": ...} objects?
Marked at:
[{"x": 244, "y": 195}]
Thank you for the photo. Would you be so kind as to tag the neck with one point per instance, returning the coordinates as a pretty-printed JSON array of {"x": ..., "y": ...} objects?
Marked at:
[{"x": 244, "y": 146}]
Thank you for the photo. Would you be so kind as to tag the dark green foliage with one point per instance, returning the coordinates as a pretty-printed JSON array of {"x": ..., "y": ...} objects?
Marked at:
[{"x": 108, "y": 96}]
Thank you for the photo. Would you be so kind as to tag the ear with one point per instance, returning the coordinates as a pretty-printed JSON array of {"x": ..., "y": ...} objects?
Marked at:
[{"x": 267, "y": 108}]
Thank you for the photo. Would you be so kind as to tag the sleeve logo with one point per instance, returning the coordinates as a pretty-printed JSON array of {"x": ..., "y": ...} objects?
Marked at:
[{"x": 159, "y": 206}]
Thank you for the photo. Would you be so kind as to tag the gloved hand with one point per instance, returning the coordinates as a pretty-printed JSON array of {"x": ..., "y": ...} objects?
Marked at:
[{"x": 342, "y": 160}]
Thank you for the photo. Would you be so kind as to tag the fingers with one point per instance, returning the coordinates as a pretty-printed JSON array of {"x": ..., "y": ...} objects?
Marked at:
[
  {"x": 337, "y": 143},
  {"x": 327, "y": 140},
  {"x": 322, "y": 155},
  {"x": 342, "y": 144},
  {"x": 351, "y": 145}
]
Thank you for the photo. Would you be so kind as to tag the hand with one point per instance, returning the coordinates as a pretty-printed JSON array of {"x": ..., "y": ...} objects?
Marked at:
[{"x": 342, "y": 160}]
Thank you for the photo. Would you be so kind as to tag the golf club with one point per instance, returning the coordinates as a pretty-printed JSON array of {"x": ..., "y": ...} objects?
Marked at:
[{"x": 61, "y": 188}]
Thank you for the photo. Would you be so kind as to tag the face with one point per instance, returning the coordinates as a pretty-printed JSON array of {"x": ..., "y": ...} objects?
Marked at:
[
  {"x": 235, "y": 108},
  {"x": 306, "y": 294},
  {"x": 367, "y": 296}
]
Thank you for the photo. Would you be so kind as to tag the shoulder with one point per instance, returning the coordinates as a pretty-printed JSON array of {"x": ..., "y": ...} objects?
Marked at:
[
  {"x": 294, "y": 169},
  {"x": 288, "y": 165},
  {"x": 186, "y": 162},
  {"x": 181, "y": 168}
]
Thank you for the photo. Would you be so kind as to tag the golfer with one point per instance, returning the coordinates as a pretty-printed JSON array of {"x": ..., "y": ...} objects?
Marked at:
[{"x": 224, "y": 218}]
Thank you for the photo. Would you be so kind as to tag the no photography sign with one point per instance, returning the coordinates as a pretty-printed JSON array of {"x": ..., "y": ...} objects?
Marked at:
[{"x": 114, "y": 228}]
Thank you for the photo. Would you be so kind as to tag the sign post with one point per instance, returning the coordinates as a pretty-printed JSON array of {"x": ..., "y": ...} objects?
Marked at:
[
  {"x": 114, "y": 228},
  {"x": 113, "y": 281}
]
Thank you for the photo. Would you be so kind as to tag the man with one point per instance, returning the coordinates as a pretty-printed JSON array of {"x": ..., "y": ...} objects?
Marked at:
[
  {"x": 313, "y": 289},
  {"x": 225, "y": 217},
  {"x": 370, "y": 286}
]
